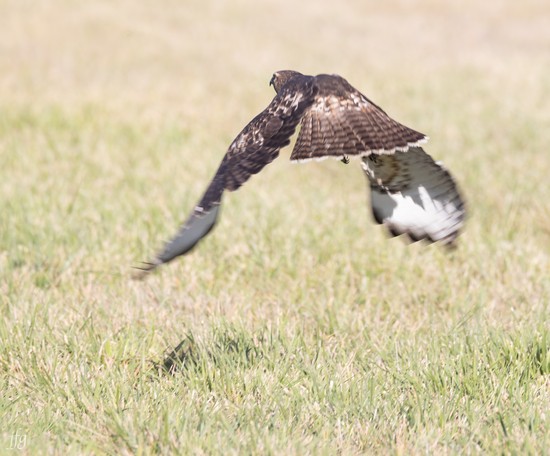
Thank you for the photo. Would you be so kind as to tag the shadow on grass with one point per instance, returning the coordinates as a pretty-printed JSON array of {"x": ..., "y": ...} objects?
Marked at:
[
  {"x": 185, "y": 354},
  {"x": 223, "y": 347},
  {"x": 227, "y": 348}
]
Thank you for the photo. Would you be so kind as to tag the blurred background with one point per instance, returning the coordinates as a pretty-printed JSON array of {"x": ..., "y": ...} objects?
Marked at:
[
  {"x": 114, "y": 115},
  {"x": 177, "y": 58}
]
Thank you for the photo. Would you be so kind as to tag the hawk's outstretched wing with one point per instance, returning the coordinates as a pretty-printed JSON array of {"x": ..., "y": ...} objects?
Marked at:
[
  {"x": 411, "y": 193},
  {"x": 342, "y": 122},
  {"x": 414, "y": 195},
  {"x": 257, "y": 145}
]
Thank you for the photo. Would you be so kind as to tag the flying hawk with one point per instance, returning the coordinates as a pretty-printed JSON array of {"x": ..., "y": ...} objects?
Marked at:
[{"x": 410, "y": 193}]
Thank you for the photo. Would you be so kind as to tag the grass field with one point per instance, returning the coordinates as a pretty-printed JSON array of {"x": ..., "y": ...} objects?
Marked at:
[{"x": 304, "y": 329}]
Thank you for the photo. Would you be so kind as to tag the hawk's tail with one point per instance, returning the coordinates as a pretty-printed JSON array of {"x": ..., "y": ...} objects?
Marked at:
[{"x": 414, "y": 195}]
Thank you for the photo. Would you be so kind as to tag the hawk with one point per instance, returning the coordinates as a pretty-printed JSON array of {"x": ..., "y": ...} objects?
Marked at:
[{"x": 411, "y": 194}]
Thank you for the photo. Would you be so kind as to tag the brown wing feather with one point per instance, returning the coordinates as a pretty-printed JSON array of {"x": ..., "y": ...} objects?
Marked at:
[
  {"x": 345, "y": 122},
  {"x": 257, "y": 145}
]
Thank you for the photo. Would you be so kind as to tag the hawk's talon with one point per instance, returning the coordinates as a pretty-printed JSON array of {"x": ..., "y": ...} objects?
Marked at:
[{"x": 345, "y": 160}]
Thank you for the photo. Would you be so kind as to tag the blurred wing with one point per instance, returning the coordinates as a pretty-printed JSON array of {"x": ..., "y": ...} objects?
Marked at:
[
  {"x": 343, "y": 122},
  {"x": 257, "y": 145},
  {"x": 411, "y": 194}
]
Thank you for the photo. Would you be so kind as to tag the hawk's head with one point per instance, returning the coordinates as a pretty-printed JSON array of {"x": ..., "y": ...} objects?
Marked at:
[{"x": 280, "y": 78}]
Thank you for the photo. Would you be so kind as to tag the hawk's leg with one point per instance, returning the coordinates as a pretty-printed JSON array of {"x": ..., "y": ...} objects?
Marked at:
[{"x": 345, "y": 160}]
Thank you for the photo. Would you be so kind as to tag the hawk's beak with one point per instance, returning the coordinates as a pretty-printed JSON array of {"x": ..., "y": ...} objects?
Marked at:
[{"x": 272, "y": 82}]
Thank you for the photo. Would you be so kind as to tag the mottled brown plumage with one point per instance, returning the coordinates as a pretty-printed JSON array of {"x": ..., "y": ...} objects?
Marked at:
[
  {"x": 336, "y": 121},
  {"x": 342, "y": 122},
  {"x": 257, "y": 145}
]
